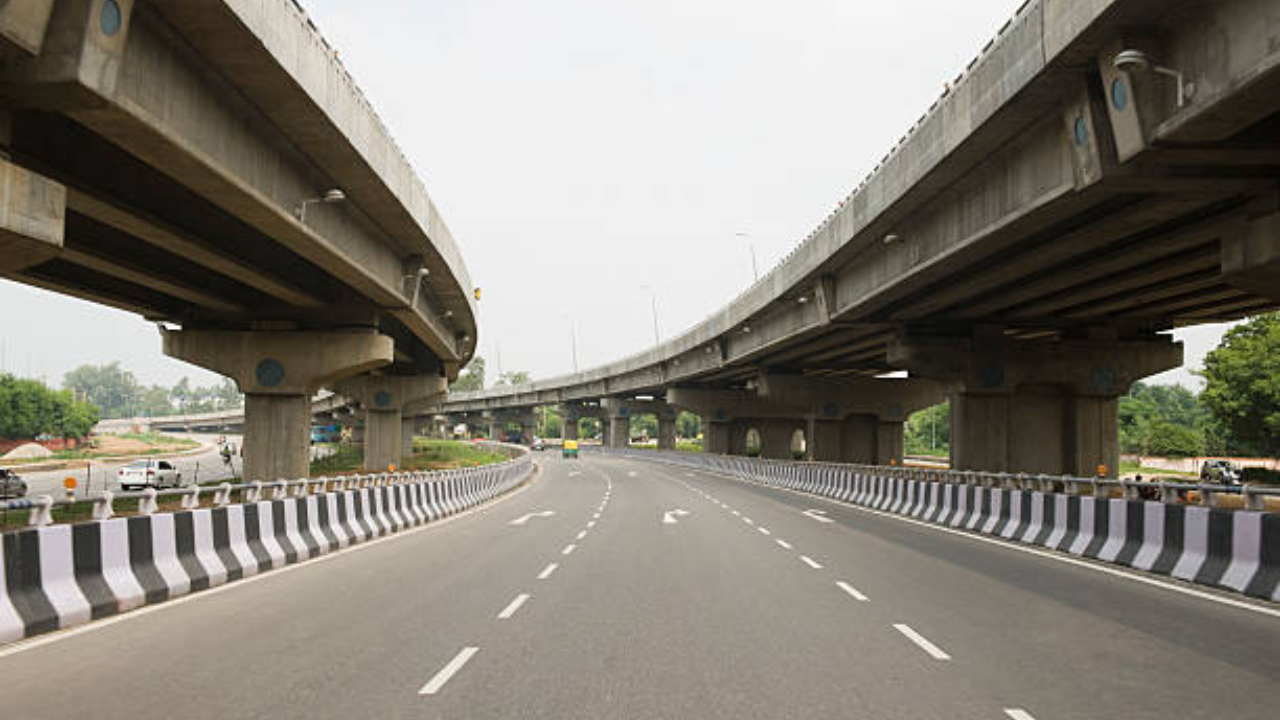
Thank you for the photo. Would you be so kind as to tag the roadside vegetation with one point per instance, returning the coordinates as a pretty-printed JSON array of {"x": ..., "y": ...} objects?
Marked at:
[{"x": 427, "y": 455}]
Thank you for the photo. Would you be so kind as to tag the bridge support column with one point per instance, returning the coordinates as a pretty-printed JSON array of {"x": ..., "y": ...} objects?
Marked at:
[
  {"x": 1036, "y": 407},
  {"x": 618, "y": 431},
  {"x": 569, "y": 428},
  {"x": 666, "y": 432},
  {"x": 715, "y": 435},
  {"x": 384, "y": 397},
  {"x": 278, "y": 372},
  {"x": 408, "y": 428}
]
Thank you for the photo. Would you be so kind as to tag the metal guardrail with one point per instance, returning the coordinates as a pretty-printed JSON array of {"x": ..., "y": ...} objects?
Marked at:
[
  {"x": 1169, "y": 492},
  {"x": 42, "y": 506}
]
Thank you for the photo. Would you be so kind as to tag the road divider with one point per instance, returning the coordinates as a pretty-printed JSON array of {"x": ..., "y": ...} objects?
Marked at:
[
  {"x": 59, "y": 576},
  {"x": 1237, "y": 550}
]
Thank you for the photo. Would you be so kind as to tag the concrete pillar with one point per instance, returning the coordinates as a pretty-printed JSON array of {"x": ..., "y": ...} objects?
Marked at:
[
  {"x": 890, "y": 444},
  {"x": 408, "y": 426},
  {"x": 528, "y": 429},
  {"x": 617, "y": 432},
  {"x": 278, "y": 372},
  {"x": 775, "y": 437},
  {"x": 822, "y": 439},
  {"x": 1036, "y": 406},
  {"x": 569, "y": 430},
  {"x": 666, "y": 432},
  {"x": 384, "y": 397},
  {"x": 357, "y": 434},
  {"x": 715, "y": 436}
]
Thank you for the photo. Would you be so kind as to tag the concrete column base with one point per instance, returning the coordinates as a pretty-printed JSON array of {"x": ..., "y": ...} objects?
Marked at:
[
  {"x": 279, "y": 372},
  {"x": 408, "y": 428},
  {"x": 715, "y": 436},
  {"x": 569, "y": 428},
  {"x": 382, "y": 440},
  {"x": 618, "y": 432},
  {"x": 666, "y": 433}
]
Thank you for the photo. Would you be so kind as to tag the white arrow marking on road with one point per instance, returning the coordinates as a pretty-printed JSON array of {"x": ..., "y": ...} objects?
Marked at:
[
  {"x": 574, "y": 473},
  {"x": 525, "y": 518},
  {"x": 669, "y": 517},
  {"x": 818, "y": 515}
]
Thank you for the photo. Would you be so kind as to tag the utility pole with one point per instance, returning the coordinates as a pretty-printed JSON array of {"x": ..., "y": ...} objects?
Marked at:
[
  {"x": 653, "y": 305},
  {"x": 755, "y": 271}
]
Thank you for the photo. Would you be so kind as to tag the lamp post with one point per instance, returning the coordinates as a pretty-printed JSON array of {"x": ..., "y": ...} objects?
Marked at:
[
  {"x": 329, "y": 198},
  {"x": 755, "y": 270},
  {"x": 573, "y": 341},
  {"x": 653, "y": 304}
]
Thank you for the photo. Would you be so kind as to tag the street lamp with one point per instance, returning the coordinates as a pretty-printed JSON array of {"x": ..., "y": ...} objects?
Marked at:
[
  {"x": 1135, "y": 60},
  {"x": 330, "y": 197},
  {"x": 653, "y": 304},
  {"x": 573, "y": 341},
  {"x": 755, "y": 271}
]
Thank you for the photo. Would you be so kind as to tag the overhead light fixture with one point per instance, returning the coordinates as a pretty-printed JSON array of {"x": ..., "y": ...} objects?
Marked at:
[
  {"x": 746, "y": 328},
  {"x": 330, "y": 197},
  {"x": 891, "y": 238},
  {"x": 802, "y": 299},
  {"x": 1136, "y": 60}
]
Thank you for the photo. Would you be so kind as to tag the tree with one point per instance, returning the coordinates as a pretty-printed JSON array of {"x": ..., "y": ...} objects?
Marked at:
[
  {"x": 472, "y": 378},
  {"x": 28, "y": 409},
  {"x": 181, "y": 393},
  {"x": 1242, "y": 383},
  {"x": 1166, "y": 439},
  {"x": 688, "y": 425},
  {"x": 113, "y": 389},
  {"x": 644, "y": 425},
  {"x": 513, "y": 377},
  {"x": 928, "y": 431}
]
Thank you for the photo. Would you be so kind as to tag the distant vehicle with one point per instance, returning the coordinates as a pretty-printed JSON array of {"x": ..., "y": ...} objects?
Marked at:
[
  {"x": 539, "y": 444},
  {"x": 1220, "y": 472},
  {"x": 570, "y": 449},
  {"x": 326, "y": 433},
  {"x": 148, "y": 473},
  {"x": 11, "y": 486}
]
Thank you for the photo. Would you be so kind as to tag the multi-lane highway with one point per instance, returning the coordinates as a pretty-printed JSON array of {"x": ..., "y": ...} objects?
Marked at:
[{"x": 624, "y": 589}]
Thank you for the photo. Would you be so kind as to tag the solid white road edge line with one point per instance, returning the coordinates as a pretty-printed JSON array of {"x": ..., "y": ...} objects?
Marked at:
[
  {"x": 60, "y": 635},
  {"x": 546, "y": 571},
  {"x": 915, "y": 637},
  {"x": 852, "y": 591},
  {"x": 513, "y": 606},
  {"x": 448, "y": 671},
  {"x": 810, "y": 562},
  {"x": 1018, "y": 714},
  {"x": 1109, "y": 570}
]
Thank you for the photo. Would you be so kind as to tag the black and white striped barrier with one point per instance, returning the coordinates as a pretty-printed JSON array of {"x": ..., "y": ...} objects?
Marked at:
[
  {"x": 1236, "y": 550},
  {"x": 59, "y": 576}
]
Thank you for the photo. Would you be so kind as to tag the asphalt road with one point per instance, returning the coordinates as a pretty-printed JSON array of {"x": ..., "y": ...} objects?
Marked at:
[
  {"x": 96, "y": 476},
  {"x": 653, "y": 592}
]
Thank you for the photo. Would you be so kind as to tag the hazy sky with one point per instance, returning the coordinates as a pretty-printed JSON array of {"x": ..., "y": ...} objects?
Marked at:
[{"x": 582, "y": 149}]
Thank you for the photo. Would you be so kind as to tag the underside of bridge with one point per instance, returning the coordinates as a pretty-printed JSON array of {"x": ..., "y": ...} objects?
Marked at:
[{"x": 1021, "y": 251}]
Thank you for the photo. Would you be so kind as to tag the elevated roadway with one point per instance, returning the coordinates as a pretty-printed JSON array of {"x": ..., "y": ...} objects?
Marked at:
[
  {"x": 212, "y": 167},
  {"x": 1020, "y": 252}
]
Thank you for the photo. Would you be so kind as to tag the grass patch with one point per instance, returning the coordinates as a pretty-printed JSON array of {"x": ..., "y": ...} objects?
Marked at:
[
  {"x": 1132, "y": 467},
  {"x": 689, "y": 445},
  {"x": 427, "y": 455}
]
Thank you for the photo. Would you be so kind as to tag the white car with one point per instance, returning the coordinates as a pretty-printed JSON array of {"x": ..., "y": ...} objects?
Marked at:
[{"x": 148, "y": 473}]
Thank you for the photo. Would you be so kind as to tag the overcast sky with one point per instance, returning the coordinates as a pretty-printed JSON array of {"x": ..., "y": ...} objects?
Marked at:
[{"x": 582, "y": 149}]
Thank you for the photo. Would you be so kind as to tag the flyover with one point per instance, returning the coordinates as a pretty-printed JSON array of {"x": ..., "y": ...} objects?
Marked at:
[
  {"x": 212, "y": 167},
  {"x": 1019, "y": 251}
]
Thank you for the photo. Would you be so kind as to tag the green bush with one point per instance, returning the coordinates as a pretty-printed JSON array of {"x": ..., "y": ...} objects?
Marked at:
[{"x": 1264, "y": 476}]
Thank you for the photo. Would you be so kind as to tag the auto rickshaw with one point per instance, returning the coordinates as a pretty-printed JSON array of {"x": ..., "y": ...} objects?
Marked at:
[{"x": 570, "y": 449}]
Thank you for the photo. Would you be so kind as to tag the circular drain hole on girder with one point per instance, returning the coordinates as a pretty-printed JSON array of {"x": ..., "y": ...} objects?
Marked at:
[
  {"x": 110, "y": 19},
  {"x": 1119, "y": 94}
]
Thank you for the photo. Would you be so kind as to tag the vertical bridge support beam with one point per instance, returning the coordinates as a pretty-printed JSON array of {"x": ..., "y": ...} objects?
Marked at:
[
  {"x": 279, "y": 372},
  {"x": 384, "y": 397},
  {"x": 1035, "y": 407}
]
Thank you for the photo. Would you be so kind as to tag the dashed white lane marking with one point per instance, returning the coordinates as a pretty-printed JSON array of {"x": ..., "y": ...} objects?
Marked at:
[
  {"x": 513, "y": 606},
  {"x": 574, "y": 473},
  {"x": 568, "y": 549},
  {"x": 546, "y": 572},
  {"x": 631, "y": 473},
  {"x": 763, "y": 530},
  {"x": 783, "y": 543},
  {"x": 748, "y": 521},
  {"x": 582, "y": 534},
  {"x": 596, "y": 516},
  {"x": 591, "y": 524},
  {"x": 1018, "y": 714},
  {"x": 735, "y": 512},
  {"x": 448, "y": 671},
  {"x": 852, "y": 591},
  {"x": 810, "y": 562},
  {"x": 915, "y": 637}
]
